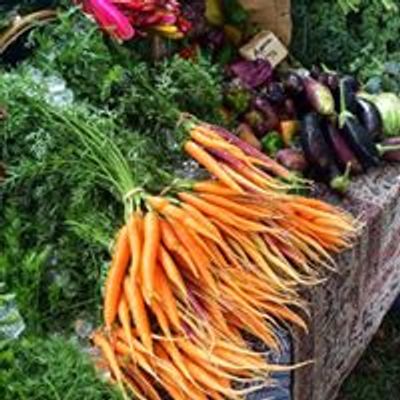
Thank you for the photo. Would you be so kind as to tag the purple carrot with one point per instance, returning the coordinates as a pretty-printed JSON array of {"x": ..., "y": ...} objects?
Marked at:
[
  {"x": 224, "y": 155},
  {"x": 196, "y": 304},
  {"x": 188, "y": 330},
  {"x": 283, "y": 248},
  {"x": 271, "y": 165},
  {"x": 233, "y": 162}
]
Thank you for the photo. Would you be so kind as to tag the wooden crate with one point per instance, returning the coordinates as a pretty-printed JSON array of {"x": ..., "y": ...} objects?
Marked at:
[{"x": 347, "y": 310}]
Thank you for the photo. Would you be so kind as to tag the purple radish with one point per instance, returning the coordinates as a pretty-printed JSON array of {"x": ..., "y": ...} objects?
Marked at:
[{"x": 292, "y": 159}]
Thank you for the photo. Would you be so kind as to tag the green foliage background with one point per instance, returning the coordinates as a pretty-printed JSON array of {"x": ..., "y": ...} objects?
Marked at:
[{"x": 364, "y": 42}]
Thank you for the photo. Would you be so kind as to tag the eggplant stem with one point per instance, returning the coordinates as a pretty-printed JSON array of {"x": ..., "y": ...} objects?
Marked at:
[
  {"x": 341, "y": 183},
  {"x": 344, "y": 113},
  {"x": 383, "y": 149}
]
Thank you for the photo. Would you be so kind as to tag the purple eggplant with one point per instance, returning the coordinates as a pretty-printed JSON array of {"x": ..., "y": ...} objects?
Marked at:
[
  {"x": 332, "y": 81},
  {"x": 370, "y": 118},
  {"x": 275, "y": 93},
  {"x": 345, "y": 95},
  {"x": 315, "y": 148},
  {"x": 343, "y": 154},
  {"x": 319, "y": 96},
  {"x": 328, "y": 79},
  {"x": 293, "y": 83},
  {"x": 360, "y": 142},
  {"x": 315, "y": 71},
  {"x": 319, "y": 155}
]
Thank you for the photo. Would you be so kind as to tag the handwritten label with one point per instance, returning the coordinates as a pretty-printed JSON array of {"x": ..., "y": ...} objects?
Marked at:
[{"x": 266, "y": 46}]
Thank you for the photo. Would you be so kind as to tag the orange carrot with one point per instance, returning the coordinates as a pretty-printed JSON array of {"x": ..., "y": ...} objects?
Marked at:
[
  {"x": 161, "y": 318},
  {"x": 202, "y": 220},
  {"x": 176, "y": 356},
  {"x": 232, "y": 205},
  {"x": 115, "y": 277},
  {"x": 135, "y": 390},
  {"x": 256, "y": 327},
  {"x": 168, "y": 300},
  {"x": 150, "y": 251},
  {"x": 179, "y": 213},
  {"x": 221, "y": 213},
  {"x": 173, "y": 244},
  {"x": 144, "y": 384},
  {"x": 199, "y": 257},
  {"x": 139, "y": 313},
  {"x": 103, "y": 344},
  {"x": 213, "y": 187},
  {"x": 207, "y": 379},
  {"x": 124, "y": 318},
  {"x": 171, "y": 373},
  {"x": 136, "y": 242},
  {"x": 243, "y": 181},
  {"x": 207, "y": 161},
  {"x": 123, "y": 349},
  {"x": 279, "y": 264},
  {"x": 172, "y": 271},
  {"x": 216, "y": 143}
]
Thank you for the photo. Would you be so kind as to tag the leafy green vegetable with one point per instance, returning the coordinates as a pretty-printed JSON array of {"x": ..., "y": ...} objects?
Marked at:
[
  {"x": 74, "y": 48},
  {"x": 50, "y": 368},
  {"x": 11, "y": 322},
  {"x": 52, "y": 271},
  {"x": 56, "y": 218},
  {"x": 358, "y": 42}
]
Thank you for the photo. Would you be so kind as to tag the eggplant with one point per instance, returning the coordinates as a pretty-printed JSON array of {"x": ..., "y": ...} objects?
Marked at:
[
  {"x": 344, "y": 155},
  {"x": 370, "y": 118},
  {"x": 275, "y": 93},
  {"x": 319, "y": 155},
  {"x": 312, "y": 141},
  {"x": 346, "y": 91},
  {"x": 389, "y": 149},
  {"x": 350, "y": 83},
  {"x": 319, "y": 97},
  {"x": 360, "y": 142},
  {"x": 293, "y": 83},
  {"x": 315, "y": 71}
]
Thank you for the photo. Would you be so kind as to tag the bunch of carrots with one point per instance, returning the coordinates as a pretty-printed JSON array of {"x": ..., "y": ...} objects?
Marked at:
[
  {"x": 197, "y": 267},
  {"x": 200, "y": 267}
]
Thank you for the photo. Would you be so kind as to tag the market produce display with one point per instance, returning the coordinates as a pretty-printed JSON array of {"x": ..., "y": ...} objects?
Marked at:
[
  {"x": 315, "y": 122},
  {"x": 208, "y": 265},
  {"x": 193, "y": 165},
  {"x": 190, "y": 272}
]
